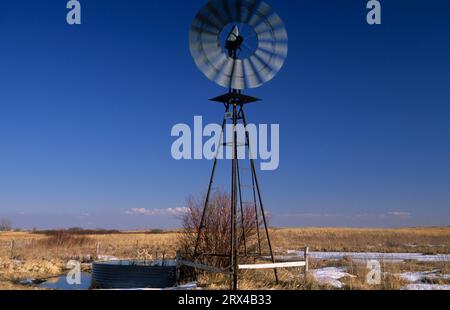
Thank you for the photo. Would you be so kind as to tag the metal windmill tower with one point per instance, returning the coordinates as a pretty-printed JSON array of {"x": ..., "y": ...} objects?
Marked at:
[{"x": 238, "y": 44}]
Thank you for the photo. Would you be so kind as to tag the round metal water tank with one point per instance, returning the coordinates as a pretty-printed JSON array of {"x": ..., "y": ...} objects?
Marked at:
[{"x": 126, "y": 274}]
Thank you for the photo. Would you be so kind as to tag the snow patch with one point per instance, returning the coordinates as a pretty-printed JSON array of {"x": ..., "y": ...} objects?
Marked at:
[
  {"x": 422, "y": 276},
  {"x": 331, "y": 276},
  {"x": 425, "y": 287},
  {"x": 107, "y": 258}
]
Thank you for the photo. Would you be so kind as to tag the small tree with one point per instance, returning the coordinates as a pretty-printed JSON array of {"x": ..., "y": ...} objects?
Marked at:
[
  {"x": 5, "y": 225},
  {"x": 216, "y": 233}
]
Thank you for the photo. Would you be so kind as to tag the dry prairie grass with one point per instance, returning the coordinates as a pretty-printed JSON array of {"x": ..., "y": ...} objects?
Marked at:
[
  {"x": 295, "y": 279},
  {"x": 289, "y": 279},
  {"x": 126, "y": 245},
  {"x": 67, "y": 246},
  {"x": 390, "y": 270},
  {"x": 429, "y": 240},
  {"x": 43, "y": 255},
  {"x": 32, "y": 255}
]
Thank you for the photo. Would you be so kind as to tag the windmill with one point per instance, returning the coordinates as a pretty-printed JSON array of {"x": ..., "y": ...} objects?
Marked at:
[{"x": 238, "y": 44}]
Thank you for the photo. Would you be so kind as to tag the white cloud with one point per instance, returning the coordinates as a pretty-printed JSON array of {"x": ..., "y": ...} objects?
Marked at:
[
  {"x": 157, "y": 212},
  {"x": 399, "y": 214}
]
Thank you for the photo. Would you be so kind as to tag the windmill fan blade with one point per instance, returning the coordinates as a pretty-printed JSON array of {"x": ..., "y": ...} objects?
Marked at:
[
  {"x": 227, "y": 10},
  {"x": 251, "y": 76},
  {"x": 239, "y": 8},
  {"x": 214, "y": 10},
  {"x": 224, "y": 78},
  {"x": 238, "y": 81},
  {"x": 212, "y": 57},
  {"x": 260, "y": 15}
]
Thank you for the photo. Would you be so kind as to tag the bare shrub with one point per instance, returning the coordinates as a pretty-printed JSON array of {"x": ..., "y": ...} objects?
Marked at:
[{"x": 216, "y": 233}]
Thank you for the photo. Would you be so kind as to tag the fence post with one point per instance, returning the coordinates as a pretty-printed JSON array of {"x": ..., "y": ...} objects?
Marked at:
[
  {"x": 178, "y": 264},
  {"x": 97, "y": 250},
  {"x": 306, "y": 260},
  {"x": 12, "y": 249}
]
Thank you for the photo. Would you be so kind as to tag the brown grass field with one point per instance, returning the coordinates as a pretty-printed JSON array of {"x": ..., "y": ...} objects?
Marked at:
[{"x": 41, "y": 255}]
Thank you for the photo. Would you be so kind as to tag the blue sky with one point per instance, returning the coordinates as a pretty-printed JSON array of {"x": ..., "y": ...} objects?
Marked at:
[{"x": 86, "y": 113}]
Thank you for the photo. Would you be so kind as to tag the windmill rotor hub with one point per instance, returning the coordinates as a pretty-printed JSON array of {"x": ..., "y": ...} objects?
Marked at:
[
  {"x": 234, "y": 45},
  {"x": 234, "y": 41}
]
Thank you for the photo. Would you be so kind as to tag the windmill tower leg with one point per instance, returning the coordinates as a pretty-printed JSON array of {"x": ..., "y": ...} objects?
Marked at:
[
  {"x": 236, "y": 193},
  {"x": 256, "y": 182},
  {"x": 211, "y": 181},
  {"x": 234, "y": 239}
]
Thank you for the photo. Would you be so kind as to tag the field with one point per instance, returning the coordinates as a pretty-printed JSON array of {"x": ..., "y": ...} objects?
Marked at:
[{"x": 40, "y": 255}]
